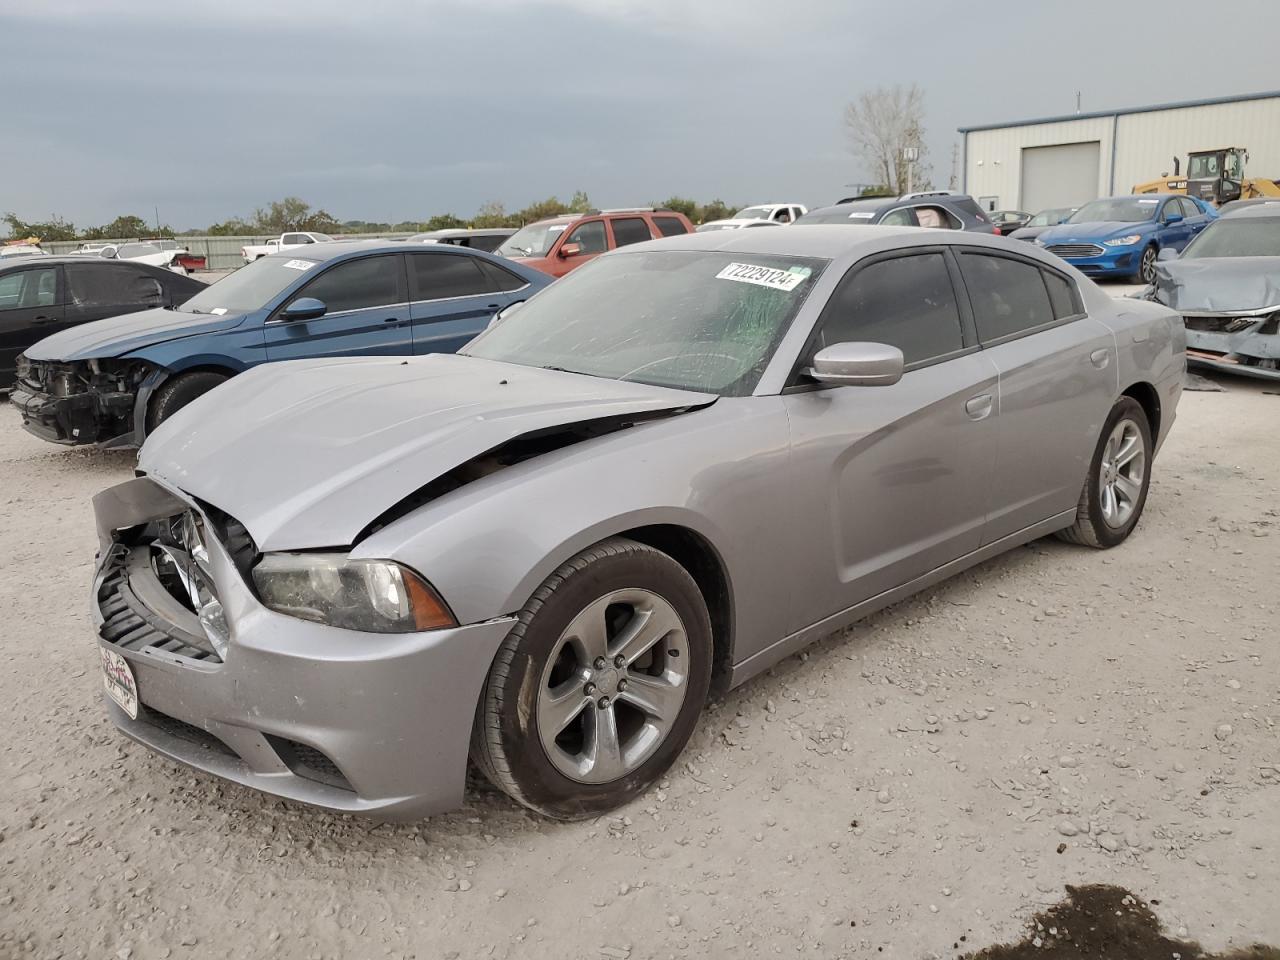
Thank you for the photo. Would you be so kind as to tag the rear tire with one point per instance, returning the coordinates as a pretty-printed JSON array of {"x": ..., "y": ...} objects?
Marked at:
[
  {"x": 1115, "y": 492},
  {"x": 178, "y": 392},
  {"x": 599, "y": 685}
]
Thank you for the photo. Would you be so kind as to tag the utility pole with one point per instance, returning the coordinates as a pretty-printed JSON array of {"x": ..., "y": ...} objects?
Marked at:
[
  {"x": 1077, "y": 101},
  {"x": 909, "y": 156},
  {"x": 955, "y": 166}
]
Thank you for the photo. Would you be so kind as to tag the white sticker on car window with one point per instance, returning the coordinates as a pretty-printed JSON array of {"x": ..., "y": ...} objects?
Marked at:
[
  {"x": 218, "y": 311},
  {"x": 1148, "y": 201},
  {"x": 861, "y": 216},
  {"x": 761, "y": 276},
  {"x": 300, "y": 264}
]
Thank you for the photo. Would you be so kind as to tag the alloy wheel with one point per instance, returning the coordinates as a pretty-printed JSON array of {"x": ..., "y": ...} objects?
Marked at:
[
  {"x": 1121, "y": 474},
  {"x": 614, "y": 686},
  {"x": 1148, "y": 267}
]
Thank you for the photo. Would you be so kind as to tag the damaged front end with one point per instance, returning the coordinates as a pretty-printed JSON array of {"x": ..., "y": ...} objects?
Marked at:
[
  {"x": 1245, "y": 343},
  {"x": 81, "y": 401}
]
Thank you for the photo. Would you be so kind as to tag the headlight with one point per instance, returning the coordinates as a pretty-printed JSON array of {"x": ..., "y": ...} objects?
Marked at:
[
  {"x": 375, "y": 596},
  {"x": 1128, "y": 241}
]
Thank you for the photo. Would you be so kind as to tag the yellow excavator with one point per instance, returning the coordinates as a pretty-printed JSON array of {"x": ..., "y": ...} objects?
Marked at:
[{"x": 1214, "y": 175}]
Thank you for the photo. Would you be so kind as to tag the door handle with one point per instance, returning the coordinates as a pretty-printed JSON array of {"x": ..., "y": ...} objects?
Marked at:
[
  {"x": 41, "y": 319},
  {"x": 1100, "y": 358},
  {"x": 391, "y": 320},
  {"x": 979, "y": 407}
]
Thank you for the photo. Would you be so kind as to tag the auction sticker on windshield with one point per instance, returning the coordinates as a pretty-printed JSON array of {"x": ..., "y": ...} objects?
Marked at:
[
  {"x": 118, "y": 680},
  {"x": 762, "y": 276},
  {"x": 300, "y": 264}
]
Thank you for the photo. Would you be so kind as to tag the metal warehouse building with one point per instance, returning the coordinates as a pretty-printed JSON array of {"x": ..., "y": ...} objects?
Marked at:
[{"x": 1065, "y": 161}]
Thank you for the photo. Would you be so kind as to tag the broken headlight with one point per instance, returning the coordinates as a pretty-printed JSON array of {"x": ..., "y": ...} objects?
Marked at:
[{"x": 373, "y": 596}]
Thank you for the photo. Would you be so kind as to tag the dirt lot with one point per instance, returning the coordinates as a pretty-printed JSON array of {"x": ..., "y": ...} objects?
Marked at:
[{"x": 916, "y": 787}]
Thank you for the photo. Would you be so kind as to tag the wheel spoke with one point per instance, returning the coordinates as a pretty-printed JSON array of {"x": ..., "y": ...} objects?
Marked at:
[
  {"x": 646, "y": 628},
  {"x": 1130, "y": 447},
  {"x": 657, "y": 697},
  {"x": 587, "y": 632},
  {"x": 1128, "y": 488},
  {"x": 562, "y": 706},
  {"x": 1108, "y": 502},
  {"x": 603, "y": 751}
]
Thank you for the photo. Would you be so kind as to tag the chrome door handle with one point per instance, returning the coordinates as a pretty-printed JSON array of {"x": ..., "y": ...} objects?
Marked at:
[
  {"x": 979, "y": 407},
  {"x": 1100, "y": 358}
]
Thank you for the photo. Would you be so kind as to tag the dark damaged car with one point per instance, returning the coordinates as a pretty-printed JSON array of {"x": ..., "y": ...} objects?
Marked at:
[
  {"x": 112, "y": 382},
  {"x": 1226, "y": 285}
]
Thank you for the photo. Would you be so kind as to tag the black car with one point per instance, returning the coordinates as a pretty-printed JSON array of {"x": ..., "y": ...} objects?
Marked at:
[
  {"x": 42, "y": 295},
  {"x": 1041, "y": 222},
  {"x": 933, "y": 208},
  {"x": 1007, "y": 221}
]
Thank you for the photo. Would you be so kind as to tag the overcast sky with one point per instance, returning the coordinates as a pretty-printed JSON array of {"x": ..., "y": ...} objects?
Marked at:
[{"x": 399, "y": 109}]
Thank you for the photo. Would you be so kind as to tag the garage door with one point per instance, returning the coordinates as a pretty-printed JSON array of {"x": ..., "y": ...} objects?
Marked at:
[{"x": 1065, "y": 175}]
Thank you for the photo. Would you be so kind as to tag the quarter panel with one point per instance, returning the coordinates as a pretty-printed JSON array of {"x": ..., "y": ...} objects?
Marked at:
[{"x": 721, "y": 471}]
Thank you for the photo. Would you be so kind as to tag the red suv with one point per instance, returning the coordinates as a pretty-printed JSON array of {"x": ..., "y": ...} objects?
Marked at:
[{"x": 559, "y": 244}]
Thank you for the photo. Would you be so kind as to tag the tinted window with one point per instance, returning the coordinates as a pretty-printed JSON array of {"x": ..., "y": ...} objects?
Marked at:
[
  {"x": 669, "y": 226},
  {"x": 590, "y": 237},
  {"x": 1061, "y": 295},
  {"x": 907, "y": 302},
  {"x": 100, "y": 284},
  {"x": 356, "y": 284},
  {"x": 630, "y": 230},
  {"x": 1008, "y": 296},
  {"x": 499, "y": 279},
  {"x": 441, "y": 276},
  {"x": 488, "y": 242},
  {"x": 29, "y": 288}
]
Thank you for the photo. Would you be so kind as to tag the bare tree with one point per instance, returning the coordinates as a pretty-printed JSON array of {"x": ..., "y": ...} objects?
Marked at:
[{"x": 881, "y": 122}]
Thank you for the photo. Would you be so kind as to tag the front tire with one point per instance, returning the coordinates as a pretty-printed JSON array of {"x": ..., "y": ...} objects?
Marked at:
[
  {"x": 175, "y": 394},
  {"x": 598, "y": 687},
  {"x": 1115, "y": 492},
  {"x": 1147, "y": 265}
]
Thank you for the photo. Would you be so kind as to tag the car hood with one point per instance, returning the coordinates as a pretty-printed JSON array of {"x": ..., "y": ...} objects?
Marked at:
[
  {"x": 116, "y": 336},
  {"x": 308, "y": 453},
  {"x": 1029, "y": 233},
  {"x": 1219, "y": 284},
  {"x": 1093, "y": 232}
]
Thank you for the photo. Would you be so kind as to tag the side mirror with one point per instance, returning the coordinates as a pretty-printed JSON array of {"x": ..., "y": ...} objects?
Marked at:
[
  {"x": 1173, "y": 218},
  {"x": 304, "y": 308},
  {"x": 1167, "y": 253},
  {"x": 570, "y": 250},
  {"x": 858, "y": 365}
]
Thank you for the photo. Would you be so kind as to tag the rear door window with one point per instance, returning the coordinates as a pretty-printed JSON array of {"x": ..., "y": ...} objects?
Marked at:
[
  {"x": 902, "y": 217},
  {"x": 503, "y": 281},
  {"x": 1009, "y": 296},
  {"x": 907, "y": 302},
  {"x": 443, "y": 276},
  {"x": 629, "y": 230},
  {"x": 669, "y": 226},
  {"x": 358, "y": 284}
]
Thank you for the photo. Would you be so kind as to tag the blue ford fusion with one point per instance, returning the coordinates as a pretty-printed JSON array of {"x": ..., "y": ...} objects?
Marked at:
[
  {"x": 1123, "y": 236},
  {"x": 112, "y": 381}
]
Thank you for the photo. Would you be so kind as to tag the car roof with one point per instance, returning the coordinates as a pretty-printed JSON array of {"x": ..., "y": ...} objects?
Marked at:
[
  {"x": 826, "y": 241},
  {"x": 49, "y": 259},
  {"x": 332, "y": 249},
  {"x": 1258, "y": 211}
]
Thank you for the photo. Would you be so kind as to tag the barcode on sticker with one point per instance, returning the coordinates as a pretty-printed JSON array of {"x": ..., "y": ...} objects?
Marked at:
[
  {"x": 300, "y": 264},
  {"x": 762, "y": 276}
]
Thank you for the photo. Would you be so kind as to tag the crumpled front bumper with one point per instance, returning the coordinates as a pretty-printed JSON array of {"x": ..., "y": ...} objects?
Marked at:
[
  {"x": 375, "y": 724},
  {"x": 77, "y": 419},
  {"x": 1252, "y": 351}
]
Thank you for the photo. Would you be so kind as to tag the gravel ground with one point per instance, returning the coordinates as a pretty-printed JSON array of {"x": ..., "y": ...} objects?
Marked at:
[{"x": 915, "y": 787}]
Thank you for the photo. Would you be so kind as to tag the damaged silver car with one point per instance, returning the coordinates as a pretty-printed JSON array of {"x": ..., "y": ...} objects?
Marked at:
[
  {"x": 1226, "y": 286},
  {"x": 338, "y": 580}
]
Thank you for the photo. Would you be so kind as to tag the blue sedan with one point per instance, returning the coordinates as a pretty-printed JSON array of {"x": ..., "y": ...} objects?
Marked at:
[
  {"x": 1123, "y": 236},
  {"x": 112, "y": 381}
]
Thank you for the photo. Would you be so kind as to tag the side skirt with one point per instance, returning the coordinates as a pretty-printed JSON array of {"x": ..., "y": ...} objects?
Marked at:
[{"x": 785, "y": 647}]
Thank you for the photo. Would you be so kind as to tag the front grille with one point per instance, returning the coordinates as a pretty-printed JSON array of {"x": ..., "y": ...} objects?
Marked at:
[
  {"x": 129, "y": 624},
  {"x": 1075, "y": 249}
]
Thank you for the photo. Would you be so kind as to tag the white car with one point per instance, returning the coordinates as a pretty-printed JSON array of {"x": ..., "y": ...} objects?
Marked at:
[
  {"x": 147, "y": 253},
  {"x": 734, "y": 224},
  {"x": 22, "y": 250},
  {"x": 773, "y": 212},
  {"x": 286, "y": 241}
]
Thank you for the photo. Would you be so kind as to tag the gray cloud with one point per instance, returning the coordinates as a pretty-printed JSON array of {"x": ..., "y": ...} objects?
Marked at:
[{"x": 390, "y": 109}]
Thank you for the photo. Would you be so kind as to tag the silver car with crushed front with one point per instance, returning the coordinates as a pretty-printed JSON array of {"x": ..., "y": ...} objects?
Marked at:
[{"x": 337, "y": 580}]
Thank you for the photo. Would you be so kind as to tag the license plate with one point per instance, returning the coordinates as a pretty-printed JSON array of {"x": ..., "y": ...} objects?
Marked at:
[{"x": 118, "y": 681}]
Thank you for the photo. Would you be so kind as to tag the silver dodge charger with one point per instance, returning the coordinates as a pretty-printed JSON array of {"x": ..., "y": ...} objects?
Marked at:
[{"x": 339, "y": 580}]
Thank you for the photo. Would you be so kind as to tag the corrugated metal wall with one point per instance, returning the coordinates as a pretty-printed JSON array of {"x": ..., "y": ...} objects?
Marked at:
[
  {"x": 220, "y": 253},
  {"x": 1144, "y": 149}
]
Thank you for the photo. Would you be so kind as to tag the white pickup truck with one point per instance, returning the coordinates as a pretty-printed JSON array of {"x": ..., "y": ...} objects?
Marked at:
[{"x": 286, "y": 241}]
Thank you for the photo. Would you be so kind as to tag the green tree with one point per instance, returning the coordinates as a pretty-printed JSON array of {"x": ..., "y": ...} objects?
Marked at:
[
  {"x": 292, "y": 213},
  {"x": 681, "y": 205},
  {"x": 550, "y": 207},
  {"x": 715, "y": 210},
  {"x": 121, "y": 228},
  {"x": 580, "y": 202},
  {"x": 443, "y": 221},
  {"x": 235, "y": 227},
  {"x": 54, "y": 229},
  {"x": 492, "y": 214}
]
